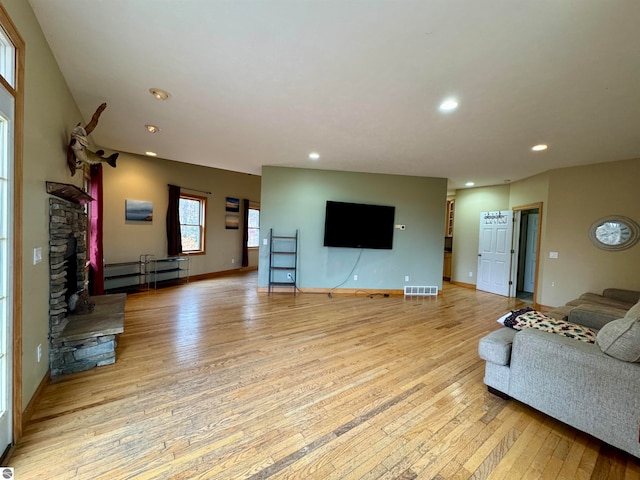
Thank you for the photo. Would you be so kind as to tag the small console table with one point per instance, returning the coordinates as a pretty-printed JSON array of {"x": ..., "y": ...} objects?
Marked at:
[{"x": 147, "y": 272}]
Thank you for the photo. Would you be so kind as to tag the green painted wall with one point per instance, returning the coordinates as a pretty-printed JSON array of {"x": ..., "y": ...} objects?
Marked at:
[{"x": 295, "y": 199}]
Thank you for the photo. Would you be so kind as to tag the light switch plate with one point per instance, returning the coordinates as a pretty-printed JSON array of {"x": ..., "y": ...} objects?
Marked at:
[{"x": 37, "y": 255}]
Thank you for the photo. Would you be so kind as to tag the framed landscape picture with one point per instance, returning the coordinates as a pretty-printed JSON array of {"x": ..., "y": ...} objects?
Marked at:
[
  {"x": 138, "y": 211},
  {"x": 232, "y": 222},
  {"x": 233, "y": 204}
]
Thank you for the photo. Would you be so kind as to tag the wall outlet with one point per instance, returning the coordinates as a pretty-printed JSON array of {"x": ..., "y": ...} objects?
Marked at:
[
  {"x": 553, "y": 254},
  {"x": 355, "y": 277},
  {"x": 39, "y": 352},
  {"x": 265, "y": 241},
  {"x": 233, "y": 260},
  {"x": 289, "y": 276},
  {"x": 406, "y": 278},
  {"x": 471, "y": 274}
]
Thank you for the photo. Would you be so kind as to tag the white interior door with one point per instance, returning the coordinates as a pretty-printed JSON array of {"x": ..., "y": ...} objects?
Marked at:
[
  {"x": 6, "y": 274},
  {"x": 530, "y": 253},
  {"x": 494, "y": 255}
]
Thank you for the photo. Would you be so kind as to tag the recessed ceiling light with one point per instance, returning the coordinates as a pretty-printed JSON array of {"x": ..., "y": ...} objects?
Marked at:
[
  {"x": 152, "y": 128},
  {"x": 469, "y": 184},
  {"x": 314, "y": 156},
  {"x": 448, "y": 105},
  {"x": 159, "y": 93},
  {"x": 151, "y": 154},
  {"x": 539, "y": 148}
]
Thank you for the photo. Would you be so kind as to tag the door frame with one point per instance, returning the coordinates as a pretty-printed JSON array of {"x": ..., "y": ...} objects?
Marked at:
[
  {"x": 515, "y": 248},
  {"x": 18, "y": 150}
]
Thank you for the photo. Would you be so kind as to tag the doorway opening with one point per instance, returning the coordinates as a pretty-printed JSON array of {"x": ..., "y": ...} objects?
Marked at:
[{"x": 526, "y": 247}]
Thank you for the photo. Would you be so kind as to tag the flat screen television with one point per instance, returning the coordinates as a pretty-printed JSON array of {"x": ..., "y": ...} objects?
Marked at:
[{"x": 357, "y": 225}]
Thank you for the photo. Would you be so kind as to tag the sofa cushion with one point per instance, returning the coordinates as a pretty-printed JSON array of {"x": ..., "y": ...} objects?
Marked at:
[
  {"x": 595, "y": 316},
  {"x": 600, "y": 300},
  {"x": 630, "y": 296},
  {"x": 560, "y": 313},
  {"x": 540, "y": 321},
  {"x": 621, "y": 338}
]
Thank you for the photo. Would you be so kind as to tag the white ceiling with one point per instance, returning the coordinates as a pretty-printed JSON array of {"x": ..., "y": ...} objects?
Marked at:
[{"x": 266, "y": 82}]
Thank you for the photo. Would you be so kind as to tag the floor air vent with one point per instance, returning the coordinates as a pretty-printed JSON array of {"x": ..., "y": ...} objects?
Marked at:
[{"x": 419, "y": 291}]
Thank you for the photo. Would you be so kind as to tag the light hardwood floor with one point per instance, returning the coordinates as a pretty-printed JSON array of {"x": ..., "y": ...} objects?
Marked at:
[{"x": 214, "y": 380}]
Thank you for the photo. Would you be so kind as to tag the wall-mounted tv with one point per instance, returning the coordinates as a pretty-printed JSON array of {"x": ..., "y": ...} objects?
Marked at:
[{"x": 357, "y": 225}]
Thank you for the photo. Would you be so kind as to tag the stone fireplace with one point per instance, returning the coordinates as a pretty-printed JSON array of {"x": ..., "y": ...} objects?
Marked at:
[
  {"x": 77, "y": 341},
  {"x": 67, "y": 257}
]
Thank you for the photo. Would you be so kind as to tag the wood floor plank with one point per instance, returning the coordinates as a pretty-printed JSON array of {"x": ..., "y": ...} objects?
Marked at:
[
  {"x": 215, "y": 381},
  {"x": 493, "y": 449}
]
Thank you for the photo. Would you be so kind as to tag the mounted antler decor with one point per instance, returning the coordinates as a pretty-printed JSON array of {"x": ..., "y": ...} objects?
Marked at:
[{"x": 78, "y": 151}]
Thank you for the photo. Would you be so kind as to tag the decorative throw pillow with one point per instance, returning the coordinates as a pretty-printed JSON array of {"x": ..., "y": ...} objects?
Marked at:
[
  {"x": 634, "y": 312},
  {"x": 539, "y": 321},
  {"x": 621, "y": 338}
]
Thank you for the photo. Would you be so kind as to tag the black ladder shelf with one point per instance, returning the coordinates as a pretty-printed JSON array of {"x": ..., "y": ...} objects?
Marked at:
[{"x": 283, "y": 260}]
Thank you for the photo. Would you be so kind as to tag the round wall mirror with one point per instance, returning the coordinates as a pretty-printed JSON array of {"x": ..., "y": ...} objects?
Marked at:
[{"x": 614, "y": 233}]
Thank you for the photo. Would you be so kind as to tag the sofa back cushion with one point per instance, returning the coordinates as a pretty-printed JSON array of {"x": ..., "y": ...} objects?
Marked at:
[
  {"x": 621, "y": 338},
  {"x": 629, "y": 296}
]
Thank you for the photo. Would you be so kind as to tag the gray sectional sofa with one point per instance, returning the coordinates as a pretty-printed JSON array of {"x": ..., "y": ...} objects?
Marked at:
[
  {"x": 611, "y": 304},
  {"x": 594, "y": 387}
]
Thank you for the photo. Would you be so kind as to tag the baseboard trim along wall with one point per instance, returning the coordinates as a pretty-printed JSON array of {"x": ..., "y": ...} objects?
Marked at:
[
  {"x": 28, "y": 412},
  {"x": 340, "y": 291},
  {"x": 471, "y": 286},
  {"x": 222, "y": 273}
]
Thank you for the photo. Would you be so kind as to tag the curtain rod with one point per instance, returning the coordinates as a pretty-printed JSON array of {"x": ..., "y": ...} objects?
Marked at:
[{"x": 192, "y": 189}]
